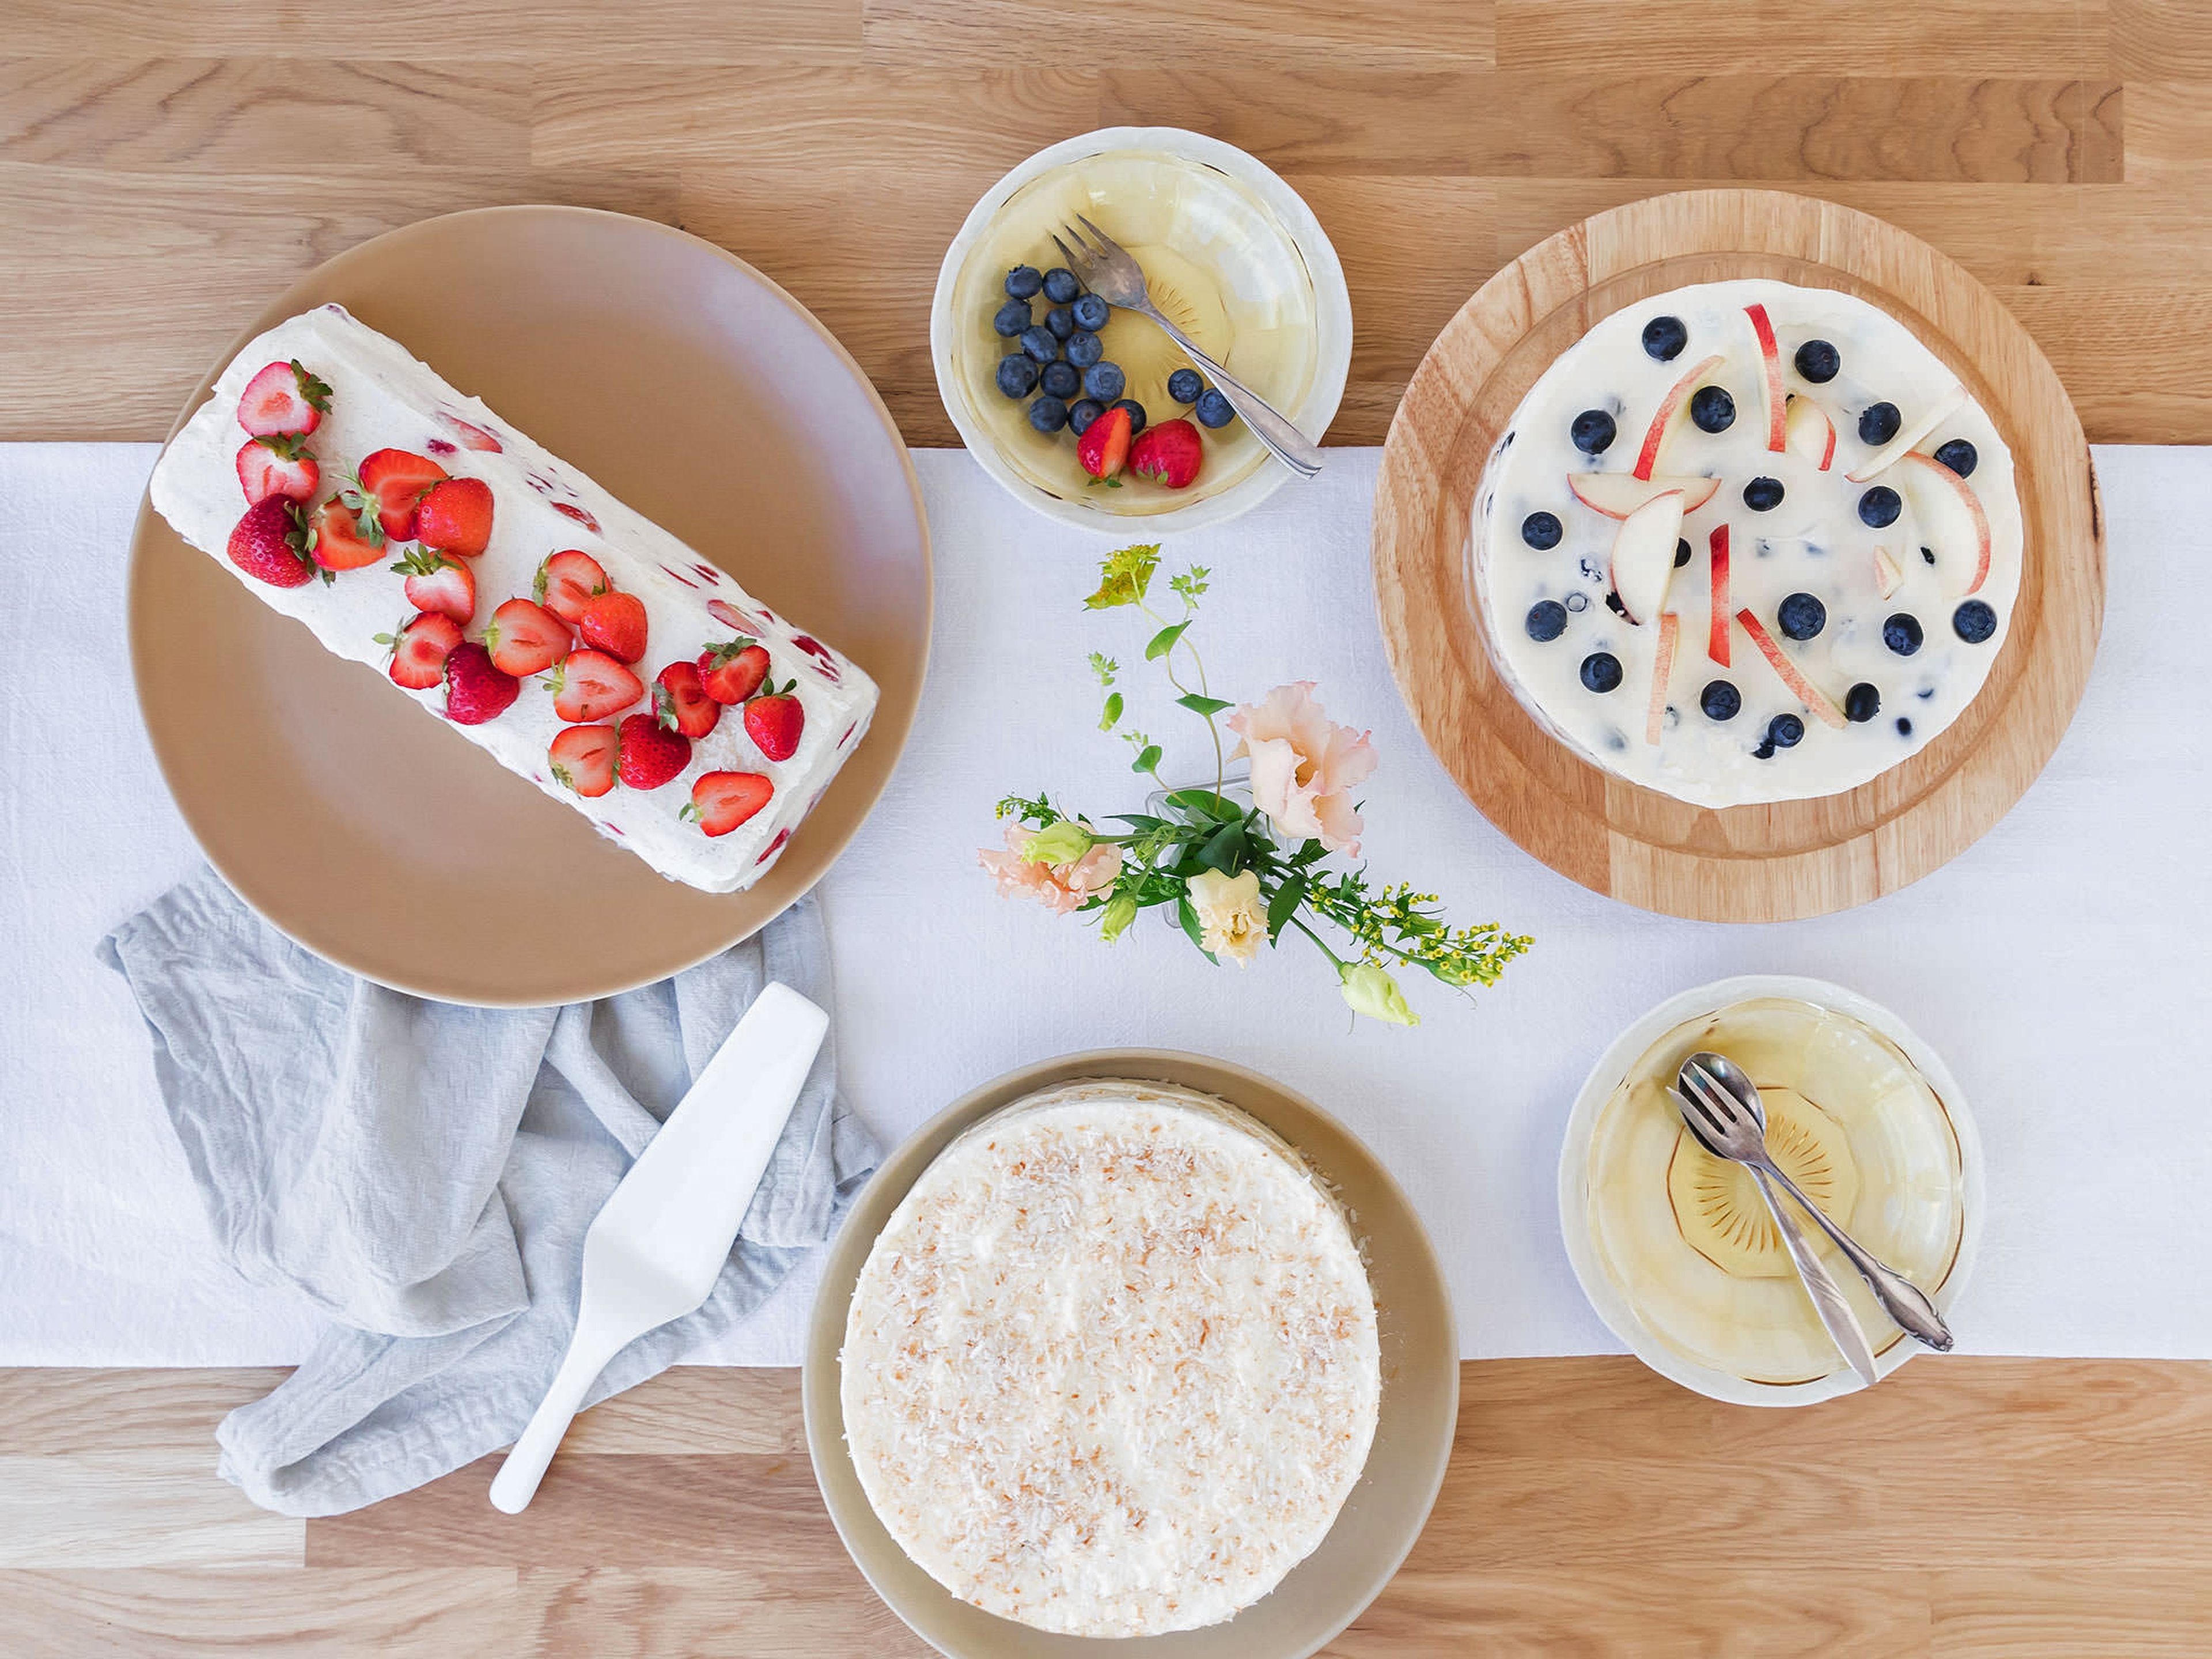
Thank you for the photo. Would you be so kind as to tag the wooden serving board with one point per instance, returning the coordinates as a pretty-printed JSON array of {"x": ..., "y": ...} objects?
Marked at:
[{"x": 1791, "y": 858}]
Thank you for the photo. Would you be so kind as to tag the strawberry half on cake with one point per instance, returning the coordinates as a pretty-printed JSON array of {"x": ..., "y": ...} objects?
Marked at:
[
  {"x": 1746, "y": 542},
  {"x": 414, "y": 531}
]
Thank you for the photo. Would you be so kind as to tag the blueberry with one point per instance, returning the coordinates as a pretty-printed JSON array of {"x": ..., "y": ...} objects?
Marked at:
[
  {"x": 1720, "y": 700},
  {"x": 1861, "y": 703},
  {"x": 1547, "y": 620},
  {"x": 1712, "y": 409},
  {"x": 1763, "y": 495},
  {"x": 1080, "y": 414},
  {"x": 1010, "y": 319},
  {"x": 1818, "y": 362},
  {"x": 1785, "y": 730},
  {"x": 1061, "y": 321},
  {"x": 1037, "y": 341},
  {"x": 1084, "y": 348},
  {"x": 1664, "y": 338},
  {"x": 1103, "y": 381},
  {"x": 1802, "y": 617},
  {"x": 1017, "y": 374},
  {"x": 1136, "y": 414},
  {"x": 1602, "y": 671},
  {"x": 1879, "y": 424},
  {"x": 1091, "y": 312},
  {"x": 1879, "y": 508},
  {"x": 1959, "y": 456},
  {"x": 1901, "y": 633},
  {"x": 1023, "y": 282},
  {"x": 1974, "y": 621},
  {"x": 1541, "y": 530},
  {"x": 1592, "y": 432},
  {"x": 1184, "y": 385},
  {"x": 1061, "y": 286},
  {"x": 1060, "y": 380},
  {"x": 1214, "y": 408},
  {"x": 1904, "y": 727},
  {"x": 1048, "y": 414},
  {"x": 1681, "y": 551}
]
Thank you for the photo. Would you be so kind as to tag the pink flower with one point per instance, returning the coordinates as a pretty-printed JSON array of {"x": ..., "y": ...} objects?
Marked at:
[
  {"x": 1059, "y": 887},
  {"x": 1304, "y": 767}
]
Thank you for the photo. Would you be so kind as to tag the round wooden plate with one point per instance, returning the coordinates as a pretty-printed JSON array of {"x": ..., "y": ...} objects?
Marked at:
[
  {"x": 1792, "y": 858},
  {"x": 1405, "y": 1469},
  {"x": 694, "y": 389}
]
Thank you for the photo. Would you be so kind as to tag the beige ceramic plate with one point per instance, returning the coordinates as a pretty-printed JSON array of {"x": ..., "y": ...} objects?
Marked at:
[
  {"x": 1412, "y": 1439},
  {"x": 697, "y": 391}
]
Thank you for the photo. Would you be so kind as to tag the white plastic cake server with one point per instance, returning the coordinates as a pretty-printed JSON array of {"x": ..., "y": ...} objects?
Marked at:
[{"x": 655, "y": 1251}]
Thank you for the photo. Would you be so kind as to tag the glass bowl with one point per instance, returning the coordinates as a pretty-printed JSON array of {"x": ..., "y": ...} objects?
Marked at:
[{"x": 1229, "y": 250}]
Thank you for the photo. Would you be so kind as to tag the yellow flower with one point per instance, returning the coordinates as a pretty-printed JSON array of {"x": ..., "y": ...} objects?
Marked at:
[
  {"x": 1230, "y": 914},
  {"x": 1372, "y": 992}
]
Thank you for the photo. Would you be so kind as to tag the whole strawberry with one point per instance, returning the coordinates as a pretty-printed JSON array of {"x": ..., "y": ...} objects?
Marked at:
[
  {"x": 270, "y": 544},
  {"x": 774, "y": 720},
  {"x": 454, "y": 516},
  {"x": 649, "y": 753},
  {"x": 476, "y": 689},
  {"x": 1170, "y": 453}
]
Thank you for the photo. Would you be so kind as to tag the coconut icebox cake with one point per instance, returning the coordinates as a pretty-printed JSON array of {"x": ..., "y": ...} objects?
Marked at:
[
  {"x": 1746, "y": 542},
  {"x": 1112, "y": 1366},
  {"x": 348, "y": 486}
]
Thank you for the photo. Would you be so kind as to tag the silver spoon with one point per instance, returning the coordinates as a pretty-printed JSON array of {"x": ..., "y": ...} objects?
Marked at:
[{"x": 1721, "y": 1106}]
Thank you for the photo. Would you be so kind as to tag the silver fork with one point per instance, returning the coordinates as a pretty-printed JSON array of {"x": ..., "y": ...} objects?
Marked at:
[{"x": 1109, "y": 272}]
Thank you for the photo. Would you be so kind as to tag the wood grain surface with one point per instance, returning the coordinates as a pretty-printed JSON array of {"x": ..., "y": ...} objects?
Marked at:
[
  {"x": 166, "y": 165},
  {"x": 1789, "y": 859}
]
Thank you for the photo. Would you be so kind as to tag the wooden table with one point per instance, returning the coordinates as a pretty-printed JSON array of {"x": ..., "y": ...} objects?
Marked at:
[{"x": 164, "y": 165}]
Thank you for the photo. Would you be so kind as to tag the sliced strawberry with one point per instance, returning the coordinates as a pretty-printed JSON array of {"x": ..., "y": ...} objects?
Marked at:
[
  {"x": 587, "y": 685},
  {"x": 277, "y": 465},
  {"x": 476, "y": 688},
  {"x": 525, "y": 638},
  {"x": 583, "y": 759},
  {"x": 420, "y": 648},
  {"x": 680, "y": 701},
  {"x": 1104, "y": 445},
  {"x": 340, "y": 542},
  {"x": 270, "y": 542},
  {"x": 774, "y": 720},
  {"x": 455, "y": 517},
  {"x": 282, "y": 397},
  {"x": 435, "y": 582},
  {"x": 392, "y": 482},
  {"x": 1170, "y": 453},
  {"x": 470, "y": 436},
  {"x": 720, "y": 801},
  {"x": 648, "y": 753},
  {"x": 615, "y": 623},
  {"x": 578, "y": 513},
  {"x": 733, "y": 670},
  {"x": 568, "y": 582}
]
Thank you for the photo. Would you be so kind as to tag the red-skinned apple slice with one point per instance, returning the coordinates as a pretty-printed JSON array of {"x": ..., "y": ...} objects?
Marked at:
[
  {"x": 1662, "y": 666},
  {"x": 1888, "y": 577},
  {"x": 1769, "y": 356},
  {"x": 1810, "y": 434},
  {"x": 1951, "y": 514},
  {"x": 1617, "y": 495},
  {"x": 1807, "y": 693},
  {"x": 1643, "y": 556},
  {"x": 1909, "y": 436},
  {"x": 1670, "y": 408},
  {"x": 1716, "y": 641}
]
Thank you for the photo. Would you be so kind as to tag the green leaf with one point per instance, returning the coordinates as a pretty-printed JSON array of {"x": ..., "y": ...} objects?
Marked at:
[
  {"x": 1124, "y": 577},
  {"x": 1199, "y": 705},
  {"x": 1164, "y": 641},
  {"x": 1284, "y": 904},
  {"x": 1112, "y": 716},
  {"x": 1137, "y": 821},
  {"x": 1188, "y": 918},
  {"x": 1148, "y": 759},
  {"x": 1225, "y": 849}
]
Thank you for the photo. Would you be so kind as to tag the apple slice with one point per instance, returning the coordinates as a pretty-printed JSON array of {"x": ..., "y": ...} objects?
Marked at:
[
  {"x": 1887, "y": 576},
  {"x": 1807, "y": 693},
  {"x": 1810, "y": 434},
  {"x": 1909, "y": 436},
  {"x": 1662, "y": 666},
  {"x": 1951, "y": 515},
  {"x": 1643, "y": 556},
  {"x": 1670, "y": 409},
  {"x": 1716, "y": 642},
  {"x": 1769, "y": 354},
  {"x": 1617, "y": 495}
]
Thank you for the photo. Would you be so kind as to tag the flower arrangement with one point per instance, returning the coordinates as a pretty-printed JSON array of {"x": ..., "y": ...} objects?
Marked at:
[{"x": 1242, "y": 861}]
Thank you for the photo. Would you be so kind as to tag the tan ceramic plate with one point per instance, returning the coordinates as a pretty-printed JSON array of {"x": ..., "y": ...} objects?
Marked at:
[
  {"x": 696, "y": 390},
  {"x": 1412, "y": 1439}
]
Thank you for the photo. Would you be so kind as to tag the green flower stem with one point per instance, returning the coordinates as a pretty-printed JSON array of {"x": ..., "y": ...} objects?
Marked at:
[
  {"x": 1220, "y": 763},
  {"x": 1320, "y": 944}
]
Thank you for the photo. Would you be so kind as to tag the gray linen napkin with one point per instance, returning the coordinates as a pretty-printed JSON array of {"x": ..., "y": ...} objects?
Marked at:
[{"x": 423, "y": 1173}]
